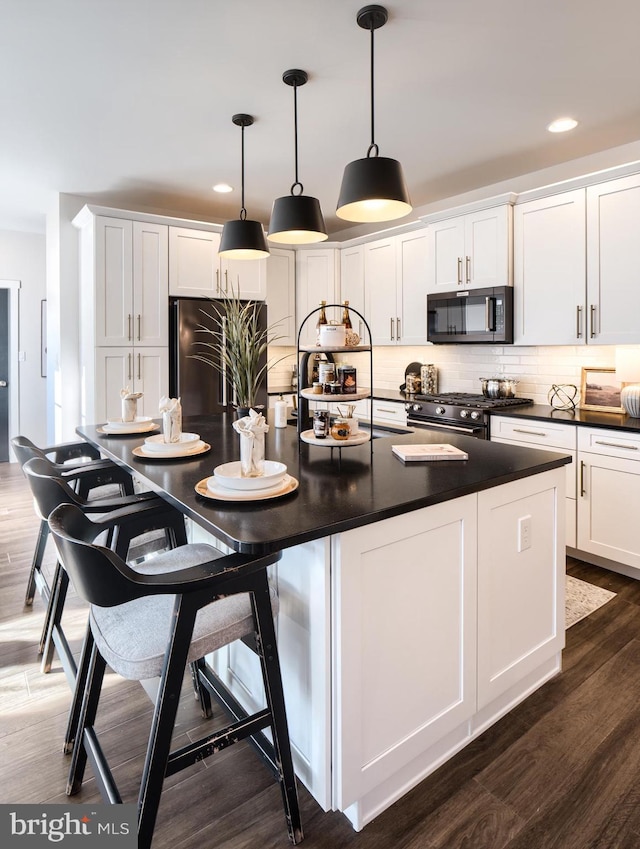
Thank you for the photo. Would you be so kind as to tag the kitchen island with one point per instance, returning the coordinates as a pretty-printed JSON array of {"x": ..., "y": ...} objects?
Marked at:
[{"x": 418, "y": 603}]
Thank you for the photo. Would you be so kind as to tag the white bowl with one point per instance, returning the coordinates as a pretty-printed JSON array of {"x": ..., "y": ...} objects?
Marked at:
[
  {"x": 228, "y": 475},
  {"x": 156, "y": 443}
]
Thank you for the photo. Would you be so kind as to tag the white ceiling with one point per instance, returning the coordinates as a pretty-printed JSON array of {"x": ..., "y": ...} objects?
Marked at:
[{"x": 129, "y": 102}]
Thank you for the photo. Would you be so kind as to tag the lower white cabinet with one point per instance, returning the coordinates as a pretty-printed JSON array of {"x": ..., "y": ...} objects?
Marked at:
[
  {"x": 142, "y": 369},
  {"x": 553, "y": 437},
  {"x": 389, "y": 412},
  {"x": 609, "y": 495}
]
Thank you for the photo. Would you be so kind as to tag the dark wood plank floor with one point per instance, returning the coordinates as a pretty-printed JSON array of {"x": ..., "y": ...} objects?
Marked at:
[{"x": 562, "y": 770}]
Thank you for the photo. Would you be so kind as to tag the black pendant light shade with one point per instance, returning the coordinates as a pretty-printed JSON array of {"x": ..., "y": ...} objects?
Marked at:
[
  {"x": 242, "y": 238},
  {"x": 373, "y": 188},
  {"x": 296, "y": 219}
]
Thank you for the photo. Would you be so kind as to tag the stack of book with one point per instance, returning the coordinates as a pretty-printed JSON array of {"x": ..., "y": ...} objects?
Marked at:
[{"x": 411, "y": 452}]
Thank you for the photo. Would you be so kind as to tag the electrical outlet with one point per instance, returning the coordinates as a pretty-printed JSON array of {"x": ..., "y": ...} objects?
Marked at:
[{"x": 524, "y": 533}]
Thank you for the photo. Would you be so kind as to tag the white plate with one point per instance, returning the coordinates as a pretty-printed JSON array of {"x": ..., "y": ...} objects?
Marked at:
[
  {"x": 194, "y": 450},
  {"x": 140, "y": 421},
  {"x": 228, "y": 475},
  {"x": 120, "y": 431},
  {"x": 157, "y": 443},
  {"x": 209, "y": 489}
]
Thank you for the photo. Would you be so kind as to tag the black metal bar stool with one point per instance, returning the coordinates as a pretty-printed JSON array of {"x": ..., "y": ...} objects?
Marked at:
[
  {"x": 82, "y": 466},
  {"x": 145, "y": 625},
  {"x": 147, "y": 512}
]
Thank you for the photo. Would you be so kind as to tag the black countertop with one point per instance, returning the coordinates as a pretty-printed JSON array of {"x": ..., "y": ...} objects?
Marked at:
[
  {"x": 583, "y": 418},
  {"x": 335, "y": 494}
]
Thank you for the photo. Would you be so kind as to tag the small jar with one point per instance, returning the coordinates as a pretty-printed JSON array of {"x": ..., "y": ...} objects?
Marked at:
[
  {"x": 336, "y": 388},
  {"x": 317, "y": 388},
  {"x": 340, "y": 429}
]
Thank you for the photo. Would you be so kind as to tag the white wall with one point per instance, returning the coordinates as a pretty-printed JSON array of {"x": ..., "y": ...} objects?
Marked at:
[{"x": 22, "y": 257}]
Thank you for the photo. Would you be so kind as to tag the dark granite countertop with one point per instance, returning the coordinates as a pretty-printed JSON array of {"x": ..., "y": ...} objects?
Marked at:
[
  {"x": 583, "y": 418},
  {"x": 335, "y": 494}
]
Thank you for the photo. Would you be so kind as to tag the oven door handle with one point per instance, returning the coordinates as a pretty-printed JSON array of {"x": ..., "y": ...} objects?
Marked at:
[
  {"x": 444, "y": 426},
  {"x": 490, "y": 314}
]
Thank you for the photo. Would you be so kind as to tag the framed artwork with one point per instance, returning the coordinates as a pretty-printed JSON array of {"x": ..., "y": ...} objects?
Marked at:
[{"x": 601, "y": 390}]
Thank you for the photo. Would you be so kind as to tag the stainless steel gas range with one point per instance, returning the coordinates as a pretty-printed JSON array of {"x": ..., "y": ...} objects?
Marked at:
[{"x": 457, "y": 412}]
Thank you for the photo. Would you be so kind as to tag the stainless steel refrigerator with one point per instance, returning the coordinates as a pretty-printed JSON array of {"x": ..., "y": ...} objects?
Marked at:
[{"x": 200, "y": 387}]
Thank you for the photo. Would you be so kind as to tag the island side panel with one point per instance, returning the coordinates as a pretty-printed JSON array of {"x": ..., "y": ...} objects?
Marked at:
[{"x": 404, "y": 600}]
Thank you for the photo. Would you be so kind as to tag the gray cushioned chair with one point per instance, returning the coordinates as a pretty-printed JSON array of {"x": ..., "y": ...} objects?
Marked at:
[{"x": 144, "y": 625}]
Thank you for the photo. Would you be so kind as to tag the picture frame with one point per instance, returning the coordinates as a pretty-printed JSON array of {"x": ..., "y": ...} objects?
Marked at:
[{"x": 600, "y": 390}]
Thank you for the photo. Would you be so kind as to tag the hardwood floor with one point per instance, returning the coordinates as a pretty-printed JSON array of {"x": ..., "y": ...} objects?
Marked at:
[{"x": 562, "y": 770}]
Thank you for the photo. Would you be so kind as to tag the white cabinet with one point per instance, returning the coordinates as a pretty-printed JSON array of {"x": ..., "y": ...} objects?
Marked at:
[
  {"x": 405, "y": 664},
  {"x": 196, "y": 270},
  {"x": 520, "y": 582},
  {"x": 529, "y": 433},
  {"x": 281, "y": 294},
  {"x": 317, "y": 274},
  {"x": 472, "y": 250},
  {"x": 352, "y": 283},
  {"x": 613, "y": 262},
  {"x": 129, "y": 281},
  {"x": 143, "y": 369},
  {"x": 388, "y": 412},
  {"x": 609, "y": 494},
  {"x": 549, "y": 270},
  {"x": 395, "y": 295},
  {"x": 124, "y": 312}
]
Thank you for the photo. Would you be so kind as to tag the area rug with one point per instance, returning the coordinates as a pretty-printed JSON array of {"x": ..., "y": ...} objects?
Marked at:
[{"x": 582, "y": 599}]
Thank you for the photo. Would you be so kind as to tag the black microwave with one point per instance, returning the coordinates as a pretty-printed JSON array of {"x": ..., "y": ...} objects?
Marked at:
[{"x": 471, "y": 316}]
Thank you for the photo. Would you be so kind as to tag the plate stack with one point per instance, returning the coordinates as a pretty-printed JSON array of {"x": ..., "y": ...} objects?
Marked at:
[
  {"x": 227, "y": 481},
  {"x": 141, "y": 424},
  {"x": 156, "y": 447}
]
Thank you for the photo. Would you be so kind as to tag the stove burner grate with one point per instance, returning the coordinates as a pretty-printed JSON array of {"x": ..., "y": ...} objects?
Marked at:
[{"x": 462, "y": 399}]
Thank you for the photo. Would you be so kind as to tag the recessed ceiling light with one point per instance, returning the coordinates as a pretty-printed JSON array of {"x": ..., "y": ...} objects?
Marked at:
[
  {"x": 223, "y": 188},
  {"x": 562, "y": 125}
]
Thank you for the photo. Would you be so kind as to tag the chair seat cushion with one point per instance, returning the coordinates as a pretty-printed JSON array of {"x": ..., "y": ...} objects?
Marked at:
[{"x": 133, "y": 637}]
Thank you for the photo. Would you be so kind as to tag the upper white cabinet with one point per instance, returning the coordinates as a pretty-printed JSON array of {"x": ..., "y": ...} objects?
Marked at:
[
  {"x": 613, "y": 262},
  {"x": 196, "y": 270},
  {"x": 549, "y": 270},
  {"x": 281, "y": 294},
  {"x": 129, "y": 281},
  {"x": 317, "y": 275},
  {"x": 352, "y": 282},
  {"x": 471, "y": 250},
  {"x": 395, "y": 295}
]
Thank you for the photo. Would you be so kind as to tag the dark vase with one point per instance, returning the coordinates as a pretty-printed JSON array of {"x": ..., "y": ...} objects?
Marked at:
[{"x": 241, "y": 412}]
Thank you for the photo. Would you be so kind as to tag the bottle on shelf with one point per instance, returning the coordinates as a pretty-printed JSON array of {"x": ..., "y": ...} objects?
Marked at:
[
  {"x": 322, "y": 320},
  {"x": 280, "y": 412},
  {"x": 346, "y": 319}
]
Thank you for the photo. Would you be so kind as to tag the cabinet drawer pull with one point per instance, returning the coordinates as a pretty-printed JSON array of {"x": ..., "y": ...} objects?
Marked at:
[
  {"x": 139, "y": 374},
  {"x": 578, "y": 322},
  {"x": 398, "y": 334},
  {"x": 592, "y": 320},
  {"x": 616, "y": 445},
  {"x": 582, "y": 489},
  {"x": 129, "y": 328},
  {"x": 392, "y": 336},
  {"x": 459, "y": 271},
  {"x": 217, "y": 281},
  {"x": 387, "y": 410},
  {"x": 468, "y": 268},
  {"x": 139, "y": 327},
  {"x": 129, "y": 356},
  {"x": 530, "y": 432}
]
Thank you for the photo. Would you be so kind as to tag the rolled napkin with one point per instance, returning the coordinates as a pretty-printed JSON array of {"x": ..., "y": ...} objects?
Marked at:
[
  {"x": 171, "y": 410},
  {"x": 252, "y": 429},
  {"x": 129, "y": 404}
]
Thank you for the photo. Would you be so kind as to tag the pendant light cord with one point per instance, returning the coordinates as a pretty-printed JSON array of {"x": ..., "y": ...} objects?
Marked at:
[
  {"x": 297, "y": 183},
  {"x": 243, "y": 211},
  {"x": 373, "y": 147}
]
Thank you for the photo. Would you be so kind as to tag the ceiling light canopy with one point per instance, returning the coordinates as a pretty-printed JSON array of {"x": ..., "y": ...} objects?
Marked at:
[
  {"x": 373, "y": 188},
  {"x": 296, "y": 219},
  {"x": 562, "y": 125},
  {"x": 242, "y": 238}
]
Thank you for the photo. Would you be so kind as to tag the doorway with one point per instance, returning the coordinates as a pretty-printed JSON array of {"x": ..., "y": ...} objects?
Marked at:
[{"x": 4, "y": 375}]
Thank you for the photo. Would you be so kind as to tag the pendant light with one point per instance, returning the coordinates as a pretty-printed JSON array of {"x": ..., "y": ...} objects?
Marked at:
[
  {"x": 242, "y": 238},
  {"x": 296, "y": 218},
  {"x": 373, "y": 188}
]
